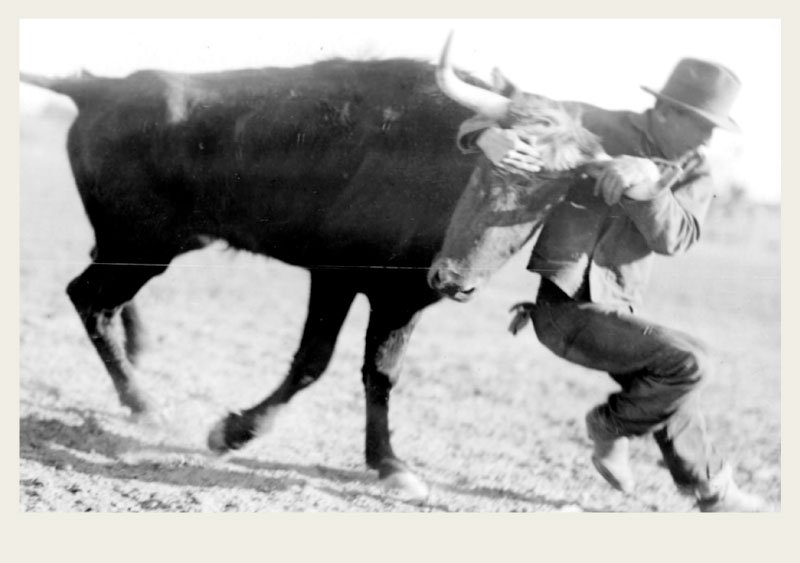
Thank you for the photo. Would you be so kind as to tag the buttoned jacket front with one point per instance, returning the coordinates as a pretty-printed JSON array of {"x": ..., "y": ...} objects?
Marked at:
[{"x": 604, "y": 252}]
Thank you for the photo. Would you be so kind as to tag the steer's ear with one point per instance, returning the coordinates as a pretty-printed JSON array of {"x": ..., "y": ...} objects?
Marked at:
[{"x": 502, "y": 85}]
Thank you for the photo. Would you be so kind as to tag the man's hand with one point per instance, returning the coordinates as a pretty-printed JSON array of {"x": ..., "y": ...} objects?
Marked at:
[
  {"x": 509, "y": 150},
  {"x": 631, "y": 176}
]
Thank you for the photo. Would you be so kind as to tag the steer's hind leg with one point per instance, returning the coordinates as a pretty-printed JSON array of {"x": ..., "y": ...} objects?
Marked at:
[
  {"x": 391, "y": 323},
  {"x": 330, "y": 298},
  {"x": 98, "y": 294}
]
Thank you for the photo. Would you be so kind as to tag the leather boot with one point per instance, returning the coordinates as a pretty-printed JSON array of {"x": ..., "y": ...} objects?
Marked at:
[
  {"x": 610, "y": 456},
  {"x": 722, "y": 495}
]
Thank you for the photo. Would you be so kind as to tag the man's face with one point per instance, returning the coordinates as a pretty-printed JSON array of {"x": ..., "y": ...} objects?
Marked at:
[{"x": 678, "y": 130}]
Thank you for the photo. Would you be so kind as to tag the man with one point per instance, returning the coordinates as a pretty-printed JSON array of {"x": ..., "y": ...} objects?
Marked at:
[{"x": 594, "y": 255}]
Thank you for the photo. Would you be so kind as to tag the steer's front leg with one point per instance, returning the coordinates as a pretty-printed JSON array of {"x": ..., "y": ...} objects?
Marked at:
[{"x": 388, "y": 333}]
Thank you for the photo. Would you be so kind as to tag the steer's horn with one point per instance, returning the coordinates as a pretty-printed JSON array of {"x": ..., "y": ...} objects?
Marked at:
[{"x": 489, "y": 104}]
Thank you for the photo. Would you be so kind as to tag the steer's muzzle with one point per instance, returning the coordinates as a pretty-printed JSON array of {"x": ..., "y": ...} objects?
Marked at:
[{"x": 443, "y": 277}]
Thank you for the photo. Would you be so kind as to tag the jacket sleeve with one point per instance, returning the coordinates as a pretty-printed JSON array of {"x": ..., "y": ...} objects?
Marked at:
[
  {"x": 671, "y": 222},
  {"x": 469, "y": 131}
]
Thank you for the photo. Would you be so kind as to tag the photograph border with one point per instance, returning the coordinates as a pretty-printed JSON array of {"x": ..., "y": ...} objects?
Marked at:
[{"x": 348, "y": 537}]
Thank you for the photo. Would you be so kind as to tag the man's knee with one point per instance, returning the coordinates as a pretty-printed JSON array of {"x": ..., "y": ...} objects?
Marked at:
[{"x": 694, "y": 365}]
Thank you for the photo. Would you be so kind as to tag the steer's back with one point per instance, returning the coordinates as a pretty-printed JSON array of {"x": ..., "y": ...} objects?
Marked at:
[{"x": 304, "y": 164}]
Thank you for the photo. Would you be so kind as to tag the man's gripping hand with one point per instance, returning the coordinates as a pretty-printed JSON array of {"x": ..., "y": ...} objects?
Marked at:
[
  {"x": 510, "y": 150},
  {"x": 634, "y": 177}
]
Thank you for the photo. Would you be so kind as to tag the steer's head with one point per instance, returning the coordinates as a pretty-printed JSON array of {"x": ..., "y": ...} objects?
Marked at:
[{"x": 499, "y": 211}]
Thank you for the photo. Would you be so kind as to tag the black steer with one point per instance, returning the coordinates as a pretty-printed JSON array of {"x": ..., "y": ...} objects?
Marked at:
[{"x": 348, "y": 169}]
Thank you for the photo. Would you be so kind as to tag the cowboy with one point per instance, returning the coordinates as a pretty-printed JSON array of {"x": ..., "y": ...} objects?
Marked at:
[{"x": 594, "y": 254}]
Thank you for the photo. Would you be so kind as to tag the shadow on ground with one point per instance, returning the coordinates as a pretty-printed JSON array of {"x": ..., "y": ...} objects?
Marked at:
[{"x": 89, "y": 448}]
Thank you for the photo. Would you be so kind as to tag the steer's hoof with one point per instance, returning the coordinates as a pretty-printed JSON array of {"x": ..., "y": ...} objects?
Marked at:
[
  {"x": 231, "y": 433},
  {"x": 404, "y": 481},
  {"x": 135, "y": 399},
  {"x": 216, "y": 438}
]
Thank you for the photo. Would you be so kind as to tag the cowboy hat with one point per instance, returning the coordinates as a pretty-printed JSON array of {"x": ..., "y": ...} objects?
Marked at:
[{"x": 704, "y": 88}]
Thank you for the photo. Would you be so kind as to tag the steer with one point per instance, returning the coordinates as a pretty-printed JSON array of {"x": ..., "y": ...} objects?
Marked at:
[{"x": 346, "y": 168}]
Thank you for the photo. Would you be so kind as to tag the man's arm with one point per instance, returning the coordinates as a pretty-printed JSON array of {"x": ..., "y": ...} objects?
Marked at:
[
  {"x": 671, "y": 220},
  {"x": 505, "y": 148}
]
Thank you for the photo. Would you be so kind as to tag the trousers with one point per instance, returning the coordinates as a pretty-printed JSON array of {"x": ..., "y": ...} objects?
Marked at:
[{"x": 659, "y": 370}]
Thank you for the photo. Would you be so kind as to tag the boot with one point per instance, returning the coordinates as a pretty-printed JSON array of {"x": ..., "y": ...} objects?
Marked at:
[
  {"x": 722, "y": 495},
  {"x": 610, "y": 456}
]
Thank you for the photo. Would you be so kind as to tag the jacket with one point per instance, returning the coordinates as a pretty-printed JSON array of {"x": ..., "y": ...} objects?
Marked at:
[{"x": 603, "y": 253}]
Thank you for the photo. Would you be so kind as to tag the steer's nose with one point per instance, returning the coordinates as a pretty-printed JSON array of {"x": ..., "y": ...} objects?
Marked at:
[
  {"x": 443, "y": 278},
  {"x": 434, "y": 279},
  {"x": 442, "y": 273}
]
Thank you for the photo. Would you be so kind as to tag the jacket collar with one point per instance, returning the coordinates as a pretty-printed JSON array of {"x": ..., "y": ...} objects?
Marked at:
[{"x": 642, "y": 122}]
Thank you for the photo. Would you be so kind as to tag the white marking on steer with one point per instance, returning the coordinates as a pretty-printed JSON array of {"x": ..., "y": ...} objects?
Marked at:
[
  {"x": 182, "y": 95},
  {"x": 176, "y": 102}
]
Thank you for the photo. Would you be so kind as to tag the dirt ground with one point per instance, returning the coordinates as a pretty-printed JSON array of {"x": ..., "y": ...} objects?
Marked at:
[{"x": 492, "y": 422}]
